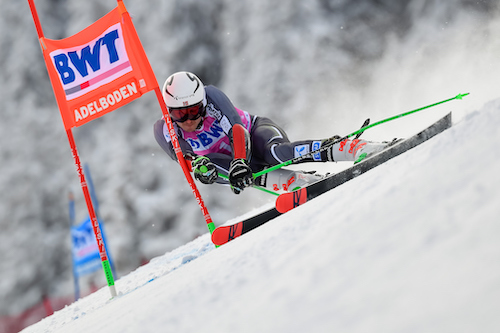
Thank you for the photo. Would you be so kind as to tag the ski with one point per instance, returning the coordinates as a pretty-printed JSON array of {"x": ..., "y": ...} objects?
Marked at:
[
  {"x": 288, "y": 201},
  {"x": 224, "y": 234}
]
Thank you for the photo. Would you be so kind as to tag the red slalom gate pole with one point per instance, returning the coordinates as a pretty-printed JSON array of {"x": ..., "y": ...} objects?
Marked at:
[
  {"x": 175, "y": 141},
  {"x": 36, "y": 19},
  {"x": 95, "y": 224},
  {"x": 97, "y": 231},
  {"x": 182, "y": 161}
]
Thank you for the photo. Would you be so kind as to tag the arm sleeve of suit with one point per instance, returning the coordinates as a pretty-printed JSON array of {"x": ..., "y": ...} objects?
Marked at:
[
  {"x": 230, "y": 121},
  {"x": 163, "y": 139}
]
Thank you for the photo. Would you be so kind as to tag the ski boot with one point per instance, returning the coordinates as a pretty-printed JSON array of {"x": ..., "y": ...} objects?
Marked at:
[
  {"x": 355, "y": 150},
  {"x": 287, "y": 180},
  {"x": 372, "y": 150}
]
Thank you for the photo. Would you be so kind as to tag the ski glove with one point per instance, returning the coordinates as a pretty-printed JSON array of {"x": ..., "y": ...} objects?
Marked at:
[
  {"x": 240, "y": 175},
  {"x": 204, "y": 170}
]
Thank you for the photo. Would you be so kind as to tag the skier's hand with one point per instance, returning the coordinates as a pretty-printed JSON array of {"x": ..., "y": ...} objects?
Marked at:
[
  {"x": 204, "y": 170},
  {"x": 240, "y": 175}
]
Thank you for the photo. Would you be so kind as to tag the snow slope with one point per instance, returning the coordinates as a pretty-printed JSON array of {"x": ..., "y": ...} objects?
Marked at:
[
  {"x": 411, "y": 246},
  {"x": 317, "y": 68}
]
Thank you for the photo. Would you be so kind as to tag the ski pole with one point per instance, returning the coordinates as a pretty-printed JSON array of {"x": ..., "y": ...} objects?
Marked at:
[{"x": 361, "y": 130}]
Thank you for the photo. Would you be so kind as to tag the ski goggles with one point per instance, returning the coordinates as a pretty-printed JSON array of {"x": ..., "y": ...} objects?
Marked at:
[{"x": 180, "y": 115}]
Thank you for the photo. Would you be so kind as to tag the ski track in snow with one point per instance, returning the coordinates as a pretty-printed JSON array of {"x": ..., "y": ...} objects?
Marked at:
[{"x": 410, "y": 246}]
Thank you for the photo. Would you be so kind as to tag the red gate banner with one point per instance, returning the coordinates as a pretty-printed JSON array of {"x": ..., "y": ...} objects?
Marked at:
[{"x": 98, "y": 70}]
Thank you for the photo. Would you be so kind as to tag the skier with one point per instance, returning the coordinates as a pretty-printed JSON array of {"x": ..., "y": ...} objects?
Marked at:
[{"x": 216, "y": 137}]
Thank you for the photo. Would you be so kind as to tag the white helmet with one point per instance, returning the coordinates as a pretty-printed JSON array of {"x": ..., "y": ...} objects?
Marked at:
[{"x": 183, "y": 89}]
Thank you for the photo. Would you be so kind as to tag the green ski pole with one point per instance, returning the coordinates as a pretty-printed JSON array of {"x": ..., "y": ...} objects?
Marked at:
[{"x": 361, "y": 130}]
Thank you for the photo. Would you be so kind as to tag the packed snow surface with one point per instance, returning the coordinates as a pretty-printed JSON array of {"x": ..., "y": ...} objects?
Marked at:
[
  {"x": 317, "y": 68},
  {"x": 410, "y": 246}
]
